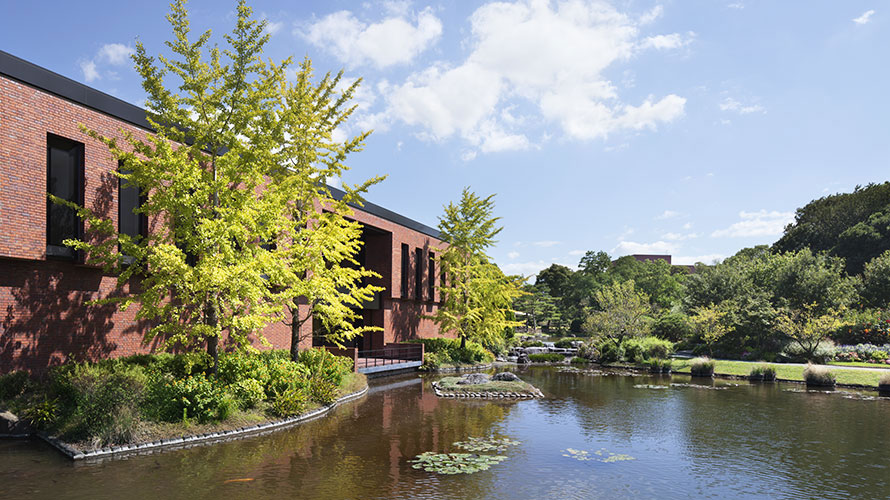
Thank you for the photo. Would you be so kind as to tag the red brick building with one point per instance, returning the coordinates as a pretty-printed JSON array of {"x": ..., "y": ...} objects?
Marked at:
[{"x": 44, "y": 318}]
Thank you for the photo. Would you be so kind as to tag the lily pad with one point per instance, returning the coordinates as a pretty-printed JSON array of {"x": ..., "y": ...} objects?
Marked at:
[
  {"x": 601, "y": 455},
  {"x": 485, "y": 445},
  {"x": 455, "y": 463}
]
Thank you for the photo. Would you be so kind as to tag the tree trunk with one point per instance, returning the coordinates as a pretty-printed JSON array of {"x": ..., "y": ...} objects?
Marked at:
[
  {"x": 463, "y": 342},
  {"x": 211, "y": 319},
  {"x": 295, "y": 333}
]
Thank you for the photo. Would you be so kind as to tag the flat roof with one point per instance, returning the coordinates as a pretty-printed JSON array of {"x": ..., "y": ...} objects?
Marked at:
[{"x": 78, "y": 93}]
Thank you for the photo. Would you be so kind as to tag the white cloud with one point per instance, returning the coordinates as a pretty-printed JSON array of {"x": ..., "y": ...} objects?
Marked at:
[
  {"x": 546, "y": 243},
  {"x": 632, "y": 247},
  {"x": 335, "y": 182},
  {"x": 730, "y": 104},
  {"x": 526, "y": 268},
  {"x": 651, "y": 15},
  {"x": 89, "y": 71},
  {"x": 865, "y": 17},
  {"x": 512, "y": 255},
  {"x": 687, "y": 226},
  {"x": 679, "y": 236},
  {"x": 688, "y": 260},
  {"x": 667, "y": 42},
  {"x": 760, "y": 223},
  {"x": 576, "y": 253},
  {"x": 552, "y": 56},
  {"x": 115, "y": 53},
  {"x": 393, "y": 40},
  {"x": 668, "y": 214},
  {"x": 273, "y": 27},
  {"x": 736, "y": 5}
]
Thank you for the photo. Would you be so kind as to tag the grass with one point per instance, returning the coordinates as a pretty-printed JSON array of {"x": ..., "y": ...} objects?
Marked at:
[
  {"x": 819, "y": 375},
  {"x": 550, "y": 357},
  {"x": 884, "y": 383},
  {"x": 785, "y": 372},
  {"x": 702, "y": 367},
  {"x": 450, "y": 384},
  {"x": 763, "y": 372},
  {"x": 859, "y": 363}
]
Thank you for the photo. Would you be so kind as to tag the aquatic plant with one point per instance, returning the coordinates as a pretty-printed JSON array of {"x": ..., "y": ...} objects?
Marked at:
[
  {"x": 601, "y": 455},
  {"x": 818, "y": 375},
  {"x": 763, "y": 372},
  {"x": 702, "y": 367},
  {"x": 455, "y": 463},
  {"x": 484, "y": 445},
  {"x": 884, "y": 383}
]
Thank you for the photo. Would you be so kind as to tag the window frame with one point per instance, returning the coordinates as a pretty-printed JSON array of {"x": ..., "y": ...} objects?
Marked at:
[{"x": 54, "y": 141}]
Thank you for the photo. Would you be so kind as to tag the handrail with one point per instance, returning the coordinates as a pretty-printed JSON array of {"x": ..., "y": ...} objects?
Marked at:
[{"x": 391, "y": 354}]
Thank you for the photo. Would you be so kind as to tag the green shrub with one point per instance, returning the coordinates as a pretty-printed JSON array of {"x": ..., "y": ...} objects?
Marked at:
[
  {"x": 702, "y": 367},
  {"x": 532, "y": 343},
  {"x": 818, "y": 376},
  {"x": 284, "y": 375},
  {"x": 323, "y": 391},
  {"x": 643, "y": 348},
  {"x": 609, "y": 351},
  {"x": 579, "y": 360},
  {"x": 248, "y": 393},
  {"x": 588, "y": 351},
  {"x": 879, "y": 356},
  {"x": 658, "y": 365},
  {"x": 322, "y": 364},
  {"x": 290, "y": 402},
  {"x": 673, "y": 326},
  {"x": 13, "y": 384},
  {"x": 763, "y": 372},
  {"x": 566, "y": 343},
  {"x": 42, "y": 414},
  {"x": 824, "y": 353},
  {"x": 449, "y": 351},
  {"x": 550, "y": 357},
  {"x": 194, "y": 397},
  {"x": 237, "y": 366},
  {"x": 98, "y": 400},
  {"x": 431, "y": 361}
]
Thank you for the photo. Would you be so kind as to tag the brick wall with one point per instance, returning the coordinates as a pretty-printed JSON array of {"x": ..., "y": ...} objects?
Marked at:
[{"x": 44, "y": 318}]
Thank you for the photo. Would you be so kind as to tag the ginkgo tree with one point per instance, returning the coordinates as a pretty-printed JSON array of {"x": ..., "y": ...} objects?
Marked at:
[
  {"x": 244, "y": 227},
  {"x": 477, "y": 295}
]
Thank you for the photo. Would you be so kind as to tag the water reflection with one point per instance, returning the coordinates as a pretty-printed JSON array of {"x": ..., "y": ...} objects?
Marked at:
[{"x": 743, "y": 441}]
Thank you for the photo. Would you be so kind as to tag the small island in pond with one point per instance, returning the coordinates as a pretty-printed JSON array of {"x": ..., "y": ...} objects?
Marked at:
[{"x": 480, "y": 385}]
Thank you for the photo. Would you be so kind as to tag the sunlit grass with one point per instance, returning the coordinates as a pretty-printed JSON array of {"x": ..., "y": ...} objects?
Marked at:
[{"x": 850, "y": 376}]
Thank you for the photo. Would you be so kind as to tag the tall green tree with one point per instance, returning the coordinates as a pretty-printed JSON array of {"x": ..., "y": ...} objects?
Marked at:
[
  {"x": 477, "y": 295},
  {"x": 623, "y": 312},
  {"x": 220, "y": 177}
]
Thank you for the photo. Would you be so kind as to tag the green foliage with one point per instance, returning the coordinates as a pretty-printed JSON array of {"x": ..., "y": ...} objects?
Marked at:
[
  {"x": 603, "y": 455},
  {"x": 194, "y": 397},
  {"x": 285, "y": 375},
  {"x": 324, "y": 366},
  {"x": 42, "y": 414},
  {"x": 824, "y": 352},
  {"x": 477, "y": 296},
  {"x": 658, "y": 365},
  {"x": 292, "y": 401},
  {"x": 623, "y": 313},
  {"x": 808, "y": 330},
  {"x": 864, "y": 326},
  {"x": 449, "y": 351},
  {"x": 238, "y": 366},
  {"x": 455, "y": 463},
  {"x": 710, "y": 323},
  {"x": 549, "y": 357},
  {"x": 876, "y": 281},
  {"x": 702, "y": 367},
  {"x": 610, "y": 351},
  {"x": 13, "y": 384},
  {"x": 98, "y": 400},
  {"x": 248, "y": 392},
  {"x": 541, "y": 309},
  {"x": 673, "y": 325},
  {"x": 486, "y": 445},
  {"x": 643, "y": 348},
  {"x": 854, "y": 226},
  {"x": 818, "y": 376},
  {"x": 323, "y": 391},
  {"x": 589, "y": 351},
  {"x": 763, "y": 372},
  {"x": 579, "y": 360},
  {"x": 567, "y": 343}
]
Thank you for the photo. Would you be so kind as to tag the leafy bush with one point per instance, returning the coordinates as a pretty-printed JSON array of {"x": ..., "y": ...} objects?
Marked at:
[
  {"x": 702, "y": 367},
  {"x": 532, "y": 343},
  {"x": 588, "y": 351},
  {"x": 42, "y": 414},
  {"x": 431, "y": 361},
  {"x": 865, "y": 353},
  {"x": 98, "y": 400},
  {"x": 610, "y": 351},
  {"x": 13, "y": 384},
  {"x": 579, "y": 360},
  {"x": 237, "y": 366},
  {"x": 248, "y": 393},
  {"x": 323, "y": 365},
  {"x": 284, "y": 375},
  {"x": 194, "y": 397},
  {"x": 763, "y": 372},
  {"x": 673, "y": 326},
  {"x": 824, "y": 353},
  {"x": 292, "y": 401},
  {"x": 567, "y": 343},
  {"x": 323, "y": 391},
  {"x": 658, "y": 365},
  {"x": 868, "y": 326},
  {"x": 550, "y": 357},
  {"x": 643, "y": 348},
  {"x": 818, "y": 376},
  {"x": 449, "y": 351}
]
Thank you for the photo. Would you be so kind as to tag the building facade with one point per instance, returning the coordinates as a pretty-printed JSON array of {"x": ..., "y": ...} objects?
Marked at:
[{"x": 45, "y": 318}]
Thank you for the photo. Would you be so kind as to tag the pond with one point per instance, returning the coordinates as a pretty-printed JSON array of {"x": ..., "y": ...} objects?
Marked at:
[{"x": 668, "y": 437}]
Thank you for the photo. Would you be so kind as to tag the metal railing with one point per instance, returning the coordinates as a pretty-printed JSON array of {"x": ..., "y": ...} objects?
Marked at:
[{"x": 390, "y": 355}]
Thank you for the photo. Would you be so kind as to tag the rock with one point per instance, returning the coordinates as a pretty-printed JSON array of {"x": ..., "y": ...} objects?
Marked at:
[
  {"x": 13, "y": 425},
  {"x": 506, "y": 377},
  {"x": 473, "y": 379},
  {"x": 523, "y": 359}
]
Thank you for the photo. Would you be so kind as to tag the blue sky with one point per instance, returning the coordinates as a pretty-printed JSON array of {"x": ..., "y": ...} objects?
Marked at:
[{"x": 692, "y": 128}]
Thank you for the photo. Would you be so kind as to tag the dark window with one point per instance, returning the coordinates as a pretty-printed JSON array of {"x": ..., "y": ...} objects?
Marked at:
[
  {"x": 432, "y": 277},
  {"x": 418, "y": 273},
  {"x": 129, "y": 199},
  {"x": 64, "y": 179},
  {"x": 405, "y": 259}
]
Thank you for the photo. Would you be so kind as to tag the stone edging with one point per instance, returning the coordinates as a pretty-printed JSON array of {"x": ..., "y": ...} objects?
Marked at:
[
  {"x": 486, "y": 395},
  {"x": 462, "y": 368},
  {"x": 198, "y": 439}
]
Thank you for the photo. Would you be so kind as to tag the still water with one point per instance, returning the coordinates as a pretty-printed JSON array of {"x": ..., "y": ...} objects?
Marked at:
[{"x": 728, "y": 441}]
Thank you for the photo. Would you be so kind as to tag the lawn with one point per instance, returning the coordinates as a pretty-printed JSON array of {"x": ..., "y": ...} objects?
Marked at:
[
  {"x": 449, "y": 384},
  {"x": 859, "y": 363},
  {"x": 786, "y": 372}
]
